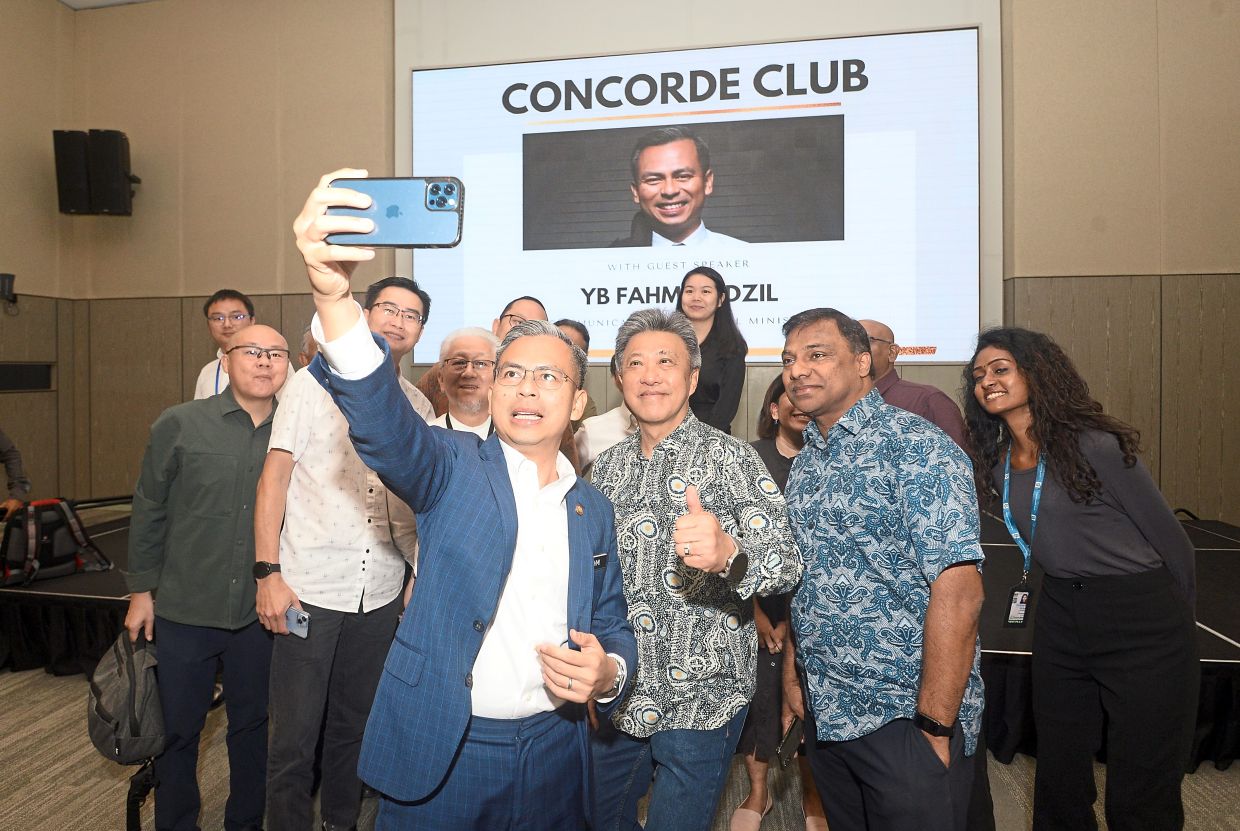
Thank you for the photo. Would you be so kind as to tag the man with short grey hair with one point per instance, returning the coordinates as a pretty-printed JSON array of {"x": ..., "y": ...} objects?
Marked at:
[
  {"x": 466, "y": 371},
  {"x": 701, "y": 529}
]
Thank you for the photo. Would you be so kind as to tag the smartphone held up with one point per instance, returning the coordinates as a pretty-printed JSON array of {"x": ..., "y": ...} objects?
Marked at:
[{"x": 408, "y": 212}]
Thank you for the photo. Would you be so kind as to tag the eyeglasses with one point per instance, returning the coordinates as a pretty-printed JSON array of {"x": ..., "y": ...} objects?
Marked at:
[
  {"x": 392, "y": 310},
  {"x": 880, "y": 340},
  {"x": 545, "y": 377},
  {"x": 459, "y": 364},
  {"x": 514, "y": 319},
  {"x": 235, "y": 317},
  {"x": 253, "y": 353}
]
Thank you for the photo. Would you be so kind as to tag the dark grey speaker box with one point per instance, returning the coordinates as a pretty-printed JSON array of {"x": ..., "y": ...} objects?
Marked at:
[
  {"x": 108, "y": 156},
  {"x": 72, "y": 178}
]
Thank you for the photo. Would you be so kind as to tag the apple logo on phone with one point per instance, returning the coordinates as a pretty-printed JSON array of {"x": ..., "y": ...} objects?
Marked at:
[{"x": 393, "y": 212}]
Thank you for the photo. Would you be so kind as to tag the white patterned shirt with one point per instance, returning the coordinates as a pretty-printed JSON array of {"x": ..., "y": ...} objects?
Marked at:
[{"x": 345, "y": 538}]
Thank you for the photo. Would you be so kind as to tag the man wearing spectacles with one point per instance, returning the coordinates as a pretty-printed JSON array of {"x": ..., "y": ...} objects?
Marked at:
[
  {"x": 330, "y": 540},
  {"x": 702, "y": 529},
  {"x": 466, "y": 371},
  {"x": 191, "y": 547},
  {"x": 516, "y": 312},
  {"x": 927, "y": 401},
  {"x": 228, "y": 311},
  {"x": 520, "y": 616}
]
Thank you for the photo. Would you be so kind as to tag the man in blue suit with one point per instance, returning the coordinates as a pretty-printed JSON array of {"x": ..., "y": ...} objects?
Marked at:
[{"x": 518, "y": 617}]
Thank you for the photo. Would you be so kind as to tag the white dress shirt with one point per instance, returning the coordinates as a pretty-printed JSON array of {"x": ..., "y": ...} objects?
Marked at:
[
  {"x": 602, "y": 432},
  {"x": 702, "y": 236},
  {"x": 533, "y": 606},
  {"x": 212, "y": 379},
  {"x": 482, "y": 431},
  {"x": 345, "y": 538}
]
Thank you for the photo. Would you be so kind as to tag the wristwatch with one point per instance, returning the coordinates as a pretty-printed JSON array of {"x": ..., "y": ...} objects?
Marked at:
[
  {"x": 929, "y": 725},
  {"x": 736, "y": 566},
  {"x": 262, "y": 569}
]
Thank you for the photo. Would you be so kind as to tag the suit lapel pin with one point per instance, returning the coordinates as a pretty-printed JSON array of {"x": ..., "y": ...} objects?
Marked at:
[{"x": 580, "y": 510}]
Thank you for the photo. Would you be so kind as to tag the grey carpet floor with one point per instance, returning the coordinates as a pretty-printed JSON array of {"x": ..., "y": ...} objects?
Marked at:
[{"x": 51, "y": 777}]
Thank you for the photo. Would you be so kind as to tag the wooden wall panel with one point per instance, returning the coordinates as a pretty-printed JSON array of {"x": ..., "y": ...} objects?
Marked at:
[
  {"x": 1201, "y": 362},
  {"x": 135, "y": 374},
  {"x": 29, "y": 419},
  {"x": 1199, "y": 120},
  {"x": 1110, "y": 327},
  {"x": 30, "y": 334},
  {"x": 1085, "y": 144},
  {"x": 73, "y": 396}
]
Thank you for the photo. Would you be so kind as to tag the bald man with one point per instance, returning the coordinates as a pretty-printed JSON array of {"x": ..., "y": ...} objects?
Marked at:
[
  {"x": 929, "y": 402},
  {"x": 191, "y": 554}
]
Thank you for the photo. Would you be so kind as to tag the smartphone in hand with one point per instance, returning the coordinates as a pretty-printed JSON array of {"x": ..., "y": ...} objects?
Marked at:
[
  {"x": 298, "y": 622},
  {"x": 408, "y": 213}
]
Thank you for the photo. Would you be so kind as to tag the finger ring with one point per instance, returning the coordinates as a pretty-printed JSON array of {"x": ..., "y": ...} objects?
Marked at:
[
  {"x": 570, "y": 684},
  {"x": 686, "y": 549}
]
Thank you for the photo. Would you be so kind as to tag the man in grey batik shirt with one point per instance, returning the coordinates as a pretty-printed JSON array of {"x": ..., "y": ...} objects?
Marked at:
[{"x": 701, "y": 528}]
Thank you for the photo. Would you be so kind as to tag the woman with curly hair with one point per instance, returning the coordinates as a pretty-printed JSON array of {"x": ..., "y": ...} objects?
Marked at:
[{"x": 1114, "y": 638}]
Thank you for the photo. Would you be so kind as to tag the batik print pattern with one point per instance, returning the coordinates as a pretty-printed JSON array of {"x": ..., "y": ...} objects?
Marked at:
[{"x": 879, "y": 509}]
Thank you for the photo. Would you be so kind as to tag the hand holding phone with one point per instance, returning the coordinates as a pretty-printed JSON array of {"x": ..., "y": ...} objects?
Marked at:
[
  {"x": 298, "y": 622},
  {"x": 406, "y": 212}
]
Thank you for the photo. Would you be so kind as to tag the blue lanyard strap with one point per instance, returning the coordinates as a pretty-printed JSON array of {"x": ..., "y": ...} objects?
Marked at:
[
  {"x": 217, "y": 375},
  {"x": 1033, "y": 514}
]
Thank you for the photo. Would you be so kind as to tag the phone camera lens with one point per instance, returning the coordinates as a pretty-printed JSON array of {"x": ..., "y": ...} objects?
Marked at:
[
  {"x": 441, "y": 201},
  {"x": 435, "y": 189},
  {"x": 449, "y": 189}
]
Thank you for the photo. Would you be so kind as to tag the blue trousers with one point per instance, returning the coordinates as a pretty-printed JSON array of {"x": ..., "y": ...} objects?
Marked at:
[
  {"x": 188, "y": 659},
  {"x": 690, "y": 768},
  {"x": 509, "y": 775}
]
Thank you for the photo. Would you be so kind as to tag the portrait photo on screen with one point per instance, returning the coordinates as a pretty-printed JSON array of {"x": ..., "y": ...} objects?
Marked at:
[{"x": 709, "y": 184}]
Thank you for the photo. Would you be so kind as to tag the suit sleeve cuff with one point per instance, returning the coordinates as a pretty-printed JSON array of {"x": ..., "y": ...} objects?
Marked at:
[{"x": 352, "y": 356}]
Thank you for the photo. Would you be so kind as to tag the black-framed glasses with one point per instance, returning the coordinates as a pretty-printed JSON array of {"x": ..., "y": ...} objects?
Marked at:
[
  {"x": 235, "y": 317},
  {"x": 514, "y": 319},
  {"x": 392, "y": 310},
  {"x": 458, "y": 365},
  {"x": 253, "y": 353},
  {"x": 544, "y": 376}
]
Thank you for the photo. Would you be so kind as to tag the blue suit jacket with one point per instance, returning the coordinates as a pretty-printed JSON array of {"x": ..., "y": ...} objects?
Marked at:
[{"x": 467, "y": 527}]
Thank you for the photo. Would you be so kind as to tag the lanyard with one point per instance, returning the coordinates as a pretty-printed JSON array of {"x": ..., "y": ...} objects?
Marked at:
[
  {"x": 217, "y": 376},
  {"x": 448, "y": 424},
  {"x": 1033, "y": 514}
]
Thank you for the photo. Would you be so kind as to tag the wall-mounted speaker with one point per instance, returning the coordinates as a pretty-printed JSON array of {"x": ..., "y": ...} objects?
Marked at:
[
  {"x": 92, "y": 172},
  {"x": 72, "y": 178}
]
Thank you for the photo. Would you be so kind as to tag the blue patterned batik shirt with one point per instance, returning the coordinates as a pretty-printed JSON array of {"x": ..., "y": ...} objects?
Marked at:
[
  {"x": 696, "y": 642},
  {"x": 879, "y": 509}
]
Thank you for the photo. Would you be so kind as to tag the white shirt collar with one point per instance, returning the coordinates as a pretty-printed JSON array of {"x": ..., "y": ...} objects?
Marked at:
[
  {"x": 522, "y": 471},
  {"x": 698, "y": 237}
]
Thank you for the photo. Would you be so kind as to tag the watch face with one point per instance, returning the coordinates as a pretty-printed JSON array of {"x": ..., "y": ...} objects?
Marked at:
[{"x": 261, "y": 570}]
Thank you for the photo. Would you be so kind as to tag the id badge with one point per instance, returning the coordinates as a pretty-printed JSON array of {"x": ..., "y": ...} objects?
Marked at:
[{"x": 1018, "y": 606}]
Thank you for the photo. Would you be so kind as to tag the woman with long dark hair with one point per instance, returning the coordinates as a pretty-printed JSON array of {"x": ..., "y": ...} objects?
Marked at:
[
  {"x": 780, "y": 425},
  {"x": 704, "y": 300},
  {"x": 1113, "y": 640}
]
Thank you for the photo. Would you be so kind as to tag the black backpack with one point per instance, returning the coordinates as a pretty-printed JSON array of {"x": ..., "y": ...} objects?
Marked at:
[
  {"x": 124, "y": 716},
  {"x": 46, "y": 539}
]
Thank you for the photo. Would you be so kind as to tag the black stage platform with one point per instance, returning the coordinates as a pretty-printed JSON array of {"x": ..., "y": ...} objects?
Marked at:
[
  {"x": 1005, "y": 651},
  {"x": 65, "y": 624}
]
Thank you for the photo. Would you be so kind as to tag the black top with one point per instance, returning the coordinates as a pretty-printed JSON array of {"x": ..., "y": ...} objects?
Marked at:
[
  {"x": 778, "y": 465},
  {"x": 1128, "y": 528},
  {"x": 718, "y": 392}
]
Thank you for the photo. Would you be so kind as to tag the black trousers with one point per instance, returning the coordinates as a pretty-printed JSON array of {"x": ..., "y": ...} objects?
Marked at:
[
  {"x": 892, "y": 780},
  {"x": 326, "y": 680},
  {"x": 1120, "y": 651},
  {"x": 188, "y": 659}
]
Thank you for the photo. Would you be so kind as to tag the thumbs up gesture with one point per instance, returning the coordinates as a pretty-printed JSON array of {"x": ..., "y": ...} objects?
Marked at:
[{"x": 698, "y": 540}]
